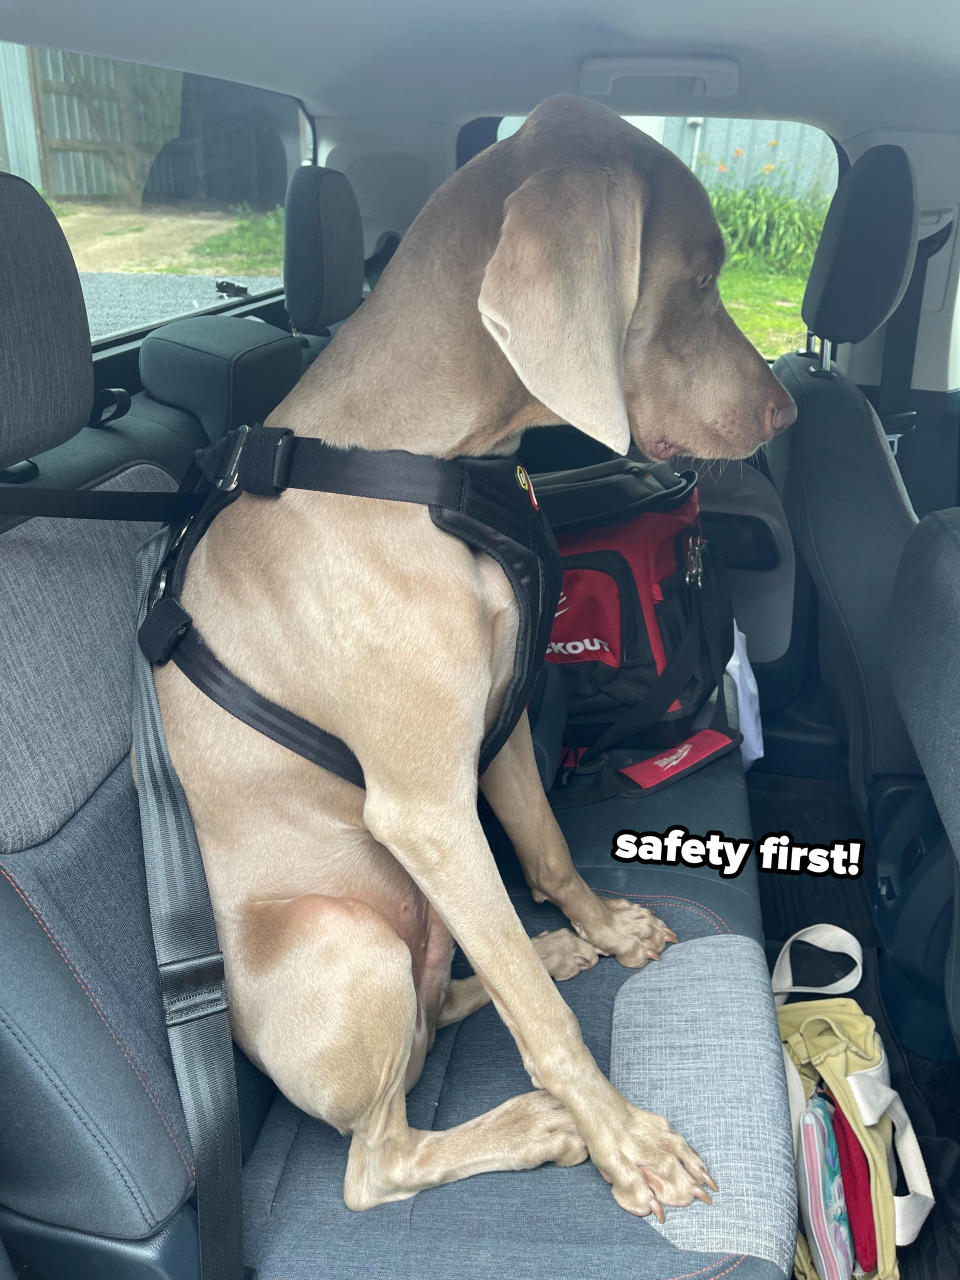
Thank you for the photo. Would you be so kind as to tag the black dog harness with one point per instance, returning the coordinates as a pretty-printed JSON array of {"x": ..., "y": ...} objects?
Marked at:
[{"x": 489, "y": 503}]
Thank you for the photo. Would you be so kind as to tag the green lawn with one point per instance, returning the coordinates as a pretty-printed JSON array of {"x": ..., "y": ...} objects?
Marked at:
[
  {"x": 253, "y": 246},
  {"x": 766, "y": 306}
]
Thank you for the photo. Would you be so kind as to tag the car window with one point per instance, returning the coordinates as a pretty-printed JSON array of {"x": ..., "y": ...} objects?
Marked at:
[
  {"x": 168, "y": 186},
  {"x": 770, "y": 182}
]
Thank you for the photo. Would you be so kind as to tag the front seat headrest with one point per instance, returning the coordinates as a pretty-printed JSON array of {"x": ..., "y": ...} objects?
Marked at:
[
  {"x": 323, "y": 249},
  {"x": 867, "y": 248},
  {"x": 46, "y": 369}
]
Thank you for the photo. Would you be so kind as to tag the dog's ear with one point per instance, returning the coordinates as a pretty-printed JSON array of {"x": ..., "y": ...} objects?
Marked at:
[{"x": 560, "y": 289}]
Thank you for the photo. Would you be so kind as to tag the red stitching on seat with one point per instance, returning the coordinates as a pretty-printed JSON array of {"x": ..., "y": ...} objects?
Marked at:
[
  {"x": 696, "y": 907},
  {"x": 665, "y": 897},
  {"x": 688, "y": 1274},
  {"x": 118, "y": 1040}
]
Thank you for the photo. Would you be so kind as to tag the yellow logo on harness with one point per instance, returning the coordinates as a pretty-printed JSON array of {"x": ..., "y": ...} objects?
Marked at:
[{"x": 526, "y": 484}]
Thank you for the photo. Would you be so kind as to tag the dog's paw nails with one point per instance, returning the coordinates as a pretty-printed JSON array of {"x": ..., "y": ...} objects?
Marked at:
[
  {"x": 670, "y": 936},
  {"x": 654, "y": 955},
  {"x": 700, "y": 1194}
]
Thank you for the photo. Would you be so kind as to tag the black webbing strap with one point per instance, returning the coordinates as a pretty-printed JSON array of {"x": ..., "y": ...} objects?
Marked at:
[
  {"x": 99, "y": 504},
  {"x": 200, "y": 665},
  {"x": 191, "y": 975},
  {"x": 900, "y": 343},
  {"x": 271, "y": 459}
]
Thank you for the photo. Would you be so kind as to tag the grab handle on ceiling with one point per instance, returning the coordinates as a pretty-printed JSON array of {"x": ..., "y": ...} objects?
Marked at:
[{"x": 712, "y": 77}]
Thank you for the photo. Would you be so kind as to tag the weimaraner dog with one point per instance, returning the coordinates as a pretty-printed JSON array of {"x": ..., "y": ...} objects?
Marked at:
[{"x": 567, "y": 274}]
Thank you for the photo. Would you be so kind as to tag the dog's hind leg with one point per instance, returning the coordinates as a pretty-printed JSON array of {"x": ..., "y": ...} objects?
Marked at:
[
  {"x": 562, "y": 953},
  {"x": 614, "y": 926},
  {"x": 332, "y": 1013}
]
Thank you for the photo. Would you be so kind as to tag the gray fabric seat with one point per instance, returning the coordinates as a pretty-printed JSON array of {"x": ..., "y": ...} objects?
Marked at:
[
  {"x": 719, "y": 1079},
  {"x": 924, "y": 629},
  {"x": 718, "y": 1076},
  {"x": 847, "y": 506},
  {"x": 93, "y": 1139}
]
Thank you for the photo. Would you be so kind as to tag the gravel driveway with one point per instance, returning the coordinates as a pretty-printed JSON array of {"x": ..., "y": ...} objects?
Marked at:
[{"x": 117, "y": 301}]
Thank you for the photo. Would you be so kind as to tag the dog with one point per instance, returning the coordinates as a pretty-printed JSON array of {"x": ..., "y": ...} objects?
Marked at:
[{"x": 566, "y": 274}]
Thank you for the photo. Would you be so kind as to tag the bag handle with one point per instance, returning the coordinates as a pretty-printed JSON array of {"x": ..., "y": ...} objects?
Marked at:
[
  {"x": 875, "y": 1098},
  {"x": 828, "y": 937}
]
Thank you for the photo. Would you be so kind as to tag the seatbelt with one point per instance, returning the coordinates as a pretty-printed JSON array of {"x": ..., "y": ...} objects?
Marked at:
[
  {"x": 900, "y": 346},
  {"x": 191, "y": 970},
  {"x": 185, "y": 940},
  {"x": 98, "y": 504}
]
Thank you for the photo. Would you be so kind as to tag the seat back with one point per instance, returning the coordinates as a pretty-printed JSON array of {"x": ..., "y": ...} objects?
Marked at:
[
  {"x": 93, "y": 1145},
  {"x": 847, "y": 506},
  {"x": 924, "y": 657}
]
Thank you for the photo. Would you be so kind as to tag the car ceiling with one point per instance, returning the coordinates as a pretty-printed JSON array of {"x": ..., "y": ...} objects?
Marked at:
[{"x": 847, "y": 65}]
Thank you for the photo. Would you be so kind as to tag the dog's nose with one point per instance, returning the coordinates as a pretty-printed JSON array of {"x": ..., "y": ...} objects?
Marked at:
[{"x": 779, "y": 416}]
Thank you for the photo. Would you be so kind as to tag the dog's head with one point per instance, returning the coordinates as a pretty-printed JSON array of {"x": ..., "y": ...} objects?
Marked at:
[{"x": 602, "y": 293}]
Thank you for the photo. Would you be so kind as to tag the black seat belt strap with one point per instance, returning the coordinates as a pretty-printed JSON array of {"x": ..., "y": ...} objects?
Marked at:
[
  {"x": 191, "y": 973},
  {"x": 900, "y": 346},
  {"x": 99, "y": 504}
]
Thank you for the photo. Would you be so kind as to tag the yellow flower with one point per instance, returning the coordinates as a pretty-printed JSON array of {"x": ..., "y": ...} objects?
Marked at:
[
  {"x": 722, "y": 168},
  {"x": 774, "y": 142},
  {"x": 769, "y": 168}
]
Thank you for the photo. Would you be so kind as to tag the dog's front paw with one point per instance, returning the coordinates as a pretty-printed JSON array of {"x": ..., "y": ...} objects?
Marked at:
[
  {"x": 564, "y": 954},
  {"x": 651, "y": 1165},
  {"x": 631, "y": 933}
]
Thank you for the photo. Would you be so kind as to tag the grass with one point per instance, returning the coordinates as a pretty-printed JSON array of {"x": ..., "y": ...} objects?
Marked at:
[
  {"x": 58, "y": 210},
  {"x": 253, "y": 246},
  {"x": 771, "y": 239},
  {"x": 123, "y": 231},
  {"x": 766, "y": 306}
]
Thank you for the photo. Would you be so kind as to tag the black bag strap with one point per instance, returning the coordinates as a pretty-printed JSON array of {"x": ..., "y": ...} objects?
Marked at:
[
  {"x": 191, "y": 974},
  {"x": 900, "y": 344}
]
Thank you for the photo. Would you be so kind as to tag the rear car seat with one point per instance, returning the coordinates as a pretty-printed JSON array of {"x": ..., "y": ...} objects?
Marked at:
[
  {"x": 92, "y": 1142},
  {"x": 693, "y": 1037},
  {"x": 95, "y": 1168},
  {"x": 847, "y": 505}
]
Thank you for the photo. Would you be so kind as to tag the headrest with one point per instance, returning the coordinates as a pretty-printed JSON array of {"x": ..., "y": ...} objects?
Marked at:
[
  {"x": 225, "y": 370},
  {"x": 46, "y": 370},
  {"x": 867, "y": 248},
  {"x": 323, "y": 249}
]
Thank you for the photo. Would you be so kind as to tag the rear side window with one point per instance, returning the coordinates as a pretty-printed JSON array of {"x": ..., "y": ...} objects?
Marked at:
[
  {"x": 770, "y": 182},
  {"x": 169, "y": 187}
]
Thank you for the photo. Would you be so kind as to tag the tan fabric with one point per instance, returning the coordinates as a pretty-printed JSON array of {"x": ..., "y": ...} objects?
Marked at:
[{"x": 835, "y": 1041}]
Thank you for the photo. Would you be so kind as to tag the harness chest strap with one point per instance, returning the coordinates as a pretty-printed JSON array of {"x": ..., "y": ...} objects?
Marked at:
[{"x": 488, "y": 503}]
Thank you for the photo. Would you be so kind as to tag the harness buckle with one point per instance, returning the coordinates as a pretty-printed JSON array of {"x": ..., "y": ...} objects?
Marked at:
[
  {"x": 228, "y": 479},
  {"x": 158, "y": 586},
  {"x": 694, "y": 573}
]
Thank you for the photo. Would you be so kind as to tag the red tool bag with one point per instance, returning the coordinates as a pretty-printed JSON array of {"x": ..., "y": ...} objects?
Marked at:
[{"x": 643, "y": 630}]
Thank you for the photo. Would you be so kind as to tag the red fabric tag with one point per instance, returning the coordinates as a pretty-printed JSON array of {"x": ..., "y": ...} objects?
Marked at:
[
  {"x": 856, "y": 1189},
  {"x": 586, "y": 627},
  {"x": 679, "y": 759}
]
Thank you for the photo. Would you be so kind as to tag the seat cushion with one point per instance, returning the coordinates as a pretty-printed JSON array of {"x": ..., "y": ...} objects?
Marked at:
[{"x": 721, "y": 1074}]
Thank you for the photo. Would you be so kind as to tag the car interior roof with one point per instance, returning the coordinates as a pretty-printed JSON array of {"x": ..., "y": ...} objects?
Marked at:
[{"x": 834, "y": 65}]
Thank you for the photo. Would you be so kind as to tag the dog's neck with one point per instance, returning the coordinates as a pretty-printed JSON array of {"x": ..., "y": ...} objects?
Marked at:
[{"x": 414, "y": 367}]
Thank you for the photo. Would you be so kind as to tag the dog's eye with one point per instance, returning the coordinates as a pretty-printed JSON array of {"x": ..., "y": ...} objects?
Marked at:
[{"x": 705, "y": 282}]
